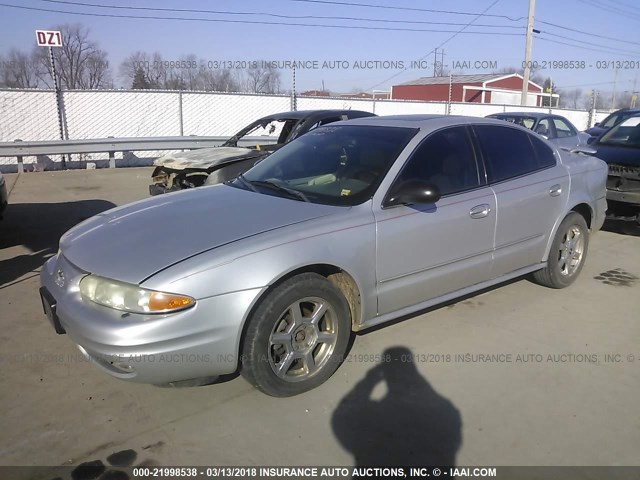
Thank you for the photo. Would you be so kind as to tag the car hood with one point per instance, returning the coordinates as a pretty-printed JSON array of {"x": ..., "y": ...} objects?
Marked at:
[
  {"x": 618, "y": 155},
  {"x": 205, "y": 158},
  {"x": 133, "y": 242}
]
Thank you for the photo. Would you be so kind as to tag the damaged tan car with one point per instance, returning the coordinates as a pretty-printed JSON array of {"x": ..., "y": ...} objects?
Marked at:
[{"x": 208, "y": 166}]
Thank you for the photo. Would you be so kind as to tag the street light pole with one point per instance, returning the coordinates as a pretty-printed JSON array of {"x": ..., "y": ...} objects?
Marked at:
[{"x": 527, "y": 54}]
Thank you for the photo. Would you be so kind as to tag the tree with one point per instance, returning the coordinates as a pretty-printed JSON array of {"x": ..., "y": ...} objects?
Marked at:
[
  {"x": 549, "y": 87},
  {"x": 572, "y": 99},
  {"x": 140, "y": 81},
  {"x": 80, "y": 63},
  {"x": 262, "y": 80},
  {"x": 218, "y": 80},
  {"x": 18, "y": 70}
]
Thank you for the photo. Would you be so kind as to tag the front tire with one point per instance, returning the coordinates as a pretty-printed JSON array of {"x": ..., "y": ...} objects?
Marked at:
[
  {"x": 567, "y": 255},
  {"x": 297, "y": 336}
]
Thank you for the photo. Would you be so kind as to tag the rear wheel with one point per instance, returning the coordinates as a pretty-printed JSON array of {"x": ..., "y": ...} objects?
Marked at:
[
  {"x": 567, "y": 255},
  {"x": 297, "y": 336}
]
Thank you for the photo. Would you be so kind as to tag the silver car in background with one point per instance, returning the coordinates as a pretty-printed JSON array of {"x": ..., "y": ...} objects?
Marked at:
[
  {"x": 555, "y": 128},
  {"x": 349, "y": 226}
]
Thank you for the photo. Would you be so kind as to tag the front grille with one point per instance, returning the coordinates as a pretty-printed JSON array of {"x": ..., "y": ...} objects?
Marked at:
[{"x": 625, "y": 171}]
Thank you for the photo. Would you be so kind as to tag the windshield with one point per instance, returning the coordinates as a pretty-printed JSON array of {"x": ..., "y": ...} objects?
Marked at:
[
  {"x": 526, "y": 122},
  {"x": 335, "y": 165},
  {"x": 265, "y": 131},
  {"x": 626, "y": 134}
]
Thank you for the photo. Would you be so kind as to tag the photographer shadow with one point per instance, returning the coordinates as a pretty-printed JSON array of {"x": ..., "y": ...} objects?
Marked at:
[{"x": 411, "y": 425}]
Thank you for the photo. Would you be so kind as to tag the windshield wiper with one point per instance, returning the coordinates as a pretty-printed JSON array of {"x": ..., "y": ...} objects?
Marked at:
[
  {"x": 246, "y": 183},
  {"x": 274, "y": 186}
]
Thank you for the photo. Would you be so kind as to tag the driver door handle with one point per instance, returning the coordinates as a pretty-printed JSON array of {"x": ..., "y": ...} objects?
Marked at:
[{"x": 480, "y": 211}]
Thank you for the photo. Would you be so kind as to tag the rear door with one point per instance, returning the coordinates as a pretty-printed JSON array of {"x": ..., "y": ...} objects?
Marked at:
[{"x": 531, "y": 190}]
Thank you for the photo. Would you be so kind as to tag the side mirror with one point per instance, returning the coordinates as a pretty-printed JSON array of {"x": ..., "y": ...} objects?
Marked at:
[
  {"x": 597, "y": 124},
  {"x": 413, "y": 192}
]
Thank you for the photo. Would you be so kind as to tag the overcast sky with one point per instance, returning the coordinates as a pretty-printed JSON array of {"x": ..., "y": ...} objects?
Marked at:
[{"x": 503, "y": 43}]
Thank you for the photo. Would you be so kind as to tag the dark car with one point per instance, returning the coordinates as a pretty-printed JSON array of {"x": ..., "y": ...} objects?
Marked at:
[
  {"x": 3, "y": 195},
  {"x": 620, "y": 148},
  {"x": 611, "y": 121},
  {"x": 554, "y": 128},
  {"x": 219, "y": 164}
]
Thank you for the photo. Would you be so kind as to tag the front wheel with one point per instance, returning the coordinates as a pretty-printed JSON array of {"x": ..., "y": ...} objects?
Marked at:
[
  {"x": 297, "y": 336},
  {"x": 567, "y": 255}
]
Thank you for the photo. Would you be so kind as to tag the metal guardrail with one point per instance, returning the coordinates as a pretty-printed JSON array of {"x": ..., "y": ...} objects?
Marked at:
[{"x": 20, "y": 149}]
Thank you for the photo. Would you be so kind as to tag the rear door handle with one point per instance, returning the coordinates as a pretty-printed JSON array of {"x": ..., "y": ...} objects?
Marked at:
[
  {"x": 480, "y": 211},
  {"x": 555, "y": 190}
]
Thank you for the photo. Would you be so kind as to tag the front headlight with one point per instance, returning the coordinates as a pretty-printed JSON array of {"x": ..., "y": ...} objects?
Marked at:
[{"x": 131, "y": 298}]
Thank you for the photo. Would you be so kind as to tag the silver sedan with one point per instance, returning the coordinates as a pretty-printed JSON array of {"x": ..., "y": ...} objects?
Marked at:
[
  {"x": 558, "y": 130},
  {"x": 347, "y": 227}
]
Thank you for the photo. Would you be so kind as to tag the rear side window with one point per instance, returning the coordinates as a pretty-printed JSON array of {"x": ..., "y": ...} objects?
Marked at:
[
  {"x": 510, "y": 152},
  {"x": 546, "y": 157}
]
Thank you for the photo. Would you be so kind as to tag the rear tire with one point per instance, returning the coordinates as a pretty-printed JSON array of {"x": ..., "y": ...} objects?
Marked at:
[
  {"x": 567, "y": 255},
  {"x": 297, "y": 336}
]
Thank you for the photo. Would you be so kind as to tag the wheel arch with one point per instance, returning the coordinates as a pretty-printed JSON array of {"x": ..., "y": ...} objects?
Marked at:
[
  {"x": 582, "y": 208},
  {"x": 585, "y": 210},
  {"x": 338, "y": 276}
]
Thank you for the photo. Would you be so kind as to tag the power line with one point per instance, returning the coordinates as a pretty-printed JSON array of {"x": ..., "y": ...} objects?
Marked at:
[
  {"x": 441, "y": 45},
  {"x": 254, "y": 22},
  {"x": 591, "y": 34},
  {"x": 607, "y": 8},
  {"x": 409, "y": 9},
  {"x": 633, "y": 7},
  {"x": 591, "y": 84},
  {"x": 579, "y": 46},
  {"x": 616, "y": 49},
  {"x": 268, "y": 14}
]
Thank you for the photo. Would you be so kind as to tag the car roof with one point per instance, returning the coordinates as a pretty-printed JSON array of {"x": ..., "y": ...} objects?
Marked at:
[
  {"x": 526, "y": 114},
  {"x": 300, "y": 114},
  {"x": 422, "y": 121},
  {"x": 627, "y": 110}
]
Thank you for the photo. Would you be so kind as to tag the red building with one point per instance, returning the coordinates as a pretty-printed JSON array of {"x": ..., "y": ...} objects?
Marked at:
[
  {"x": 315, "y": 93},
  {"x": 481, "y": 88}
]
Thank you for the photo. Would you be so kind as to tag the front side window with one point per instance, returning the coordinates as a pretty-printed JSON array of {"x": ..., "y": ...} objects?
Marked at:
[
  {"x": 563, "y": 129},
  {"x": 334, "y": 164},
  {"x": 610, "y": 121},
  {"x": 445, "y": 159},
  {"x": 508, "y": 152}
]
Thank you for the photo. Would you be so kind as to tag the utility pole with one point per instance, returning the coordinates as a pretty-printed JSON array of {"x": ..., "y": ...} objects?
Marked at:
[
  {"x": 527, "y": 54},
  {"x": 441, "y": 66},
  {"x": 435, "y": 61},
  {"x": 613, "y": 96}
]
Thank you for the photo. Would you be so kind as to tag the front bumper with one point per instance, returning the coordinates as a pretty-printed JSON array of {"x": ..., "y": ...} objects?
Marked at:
[
  {"x": 202, "y": 341},
  {"x": 624, "y": 197},
  {"x": 623, "y": 184}
]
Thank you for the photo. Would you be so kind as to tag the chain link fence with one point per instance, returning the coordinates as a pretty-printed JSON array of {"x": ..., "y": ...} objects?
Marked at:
[{"x": 33, "y": 115}]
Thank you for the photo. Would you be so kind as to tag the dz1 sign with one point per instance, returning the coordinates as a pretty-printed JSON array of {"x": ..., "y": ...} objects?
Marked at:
[{"x": 49, "y": 38}]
